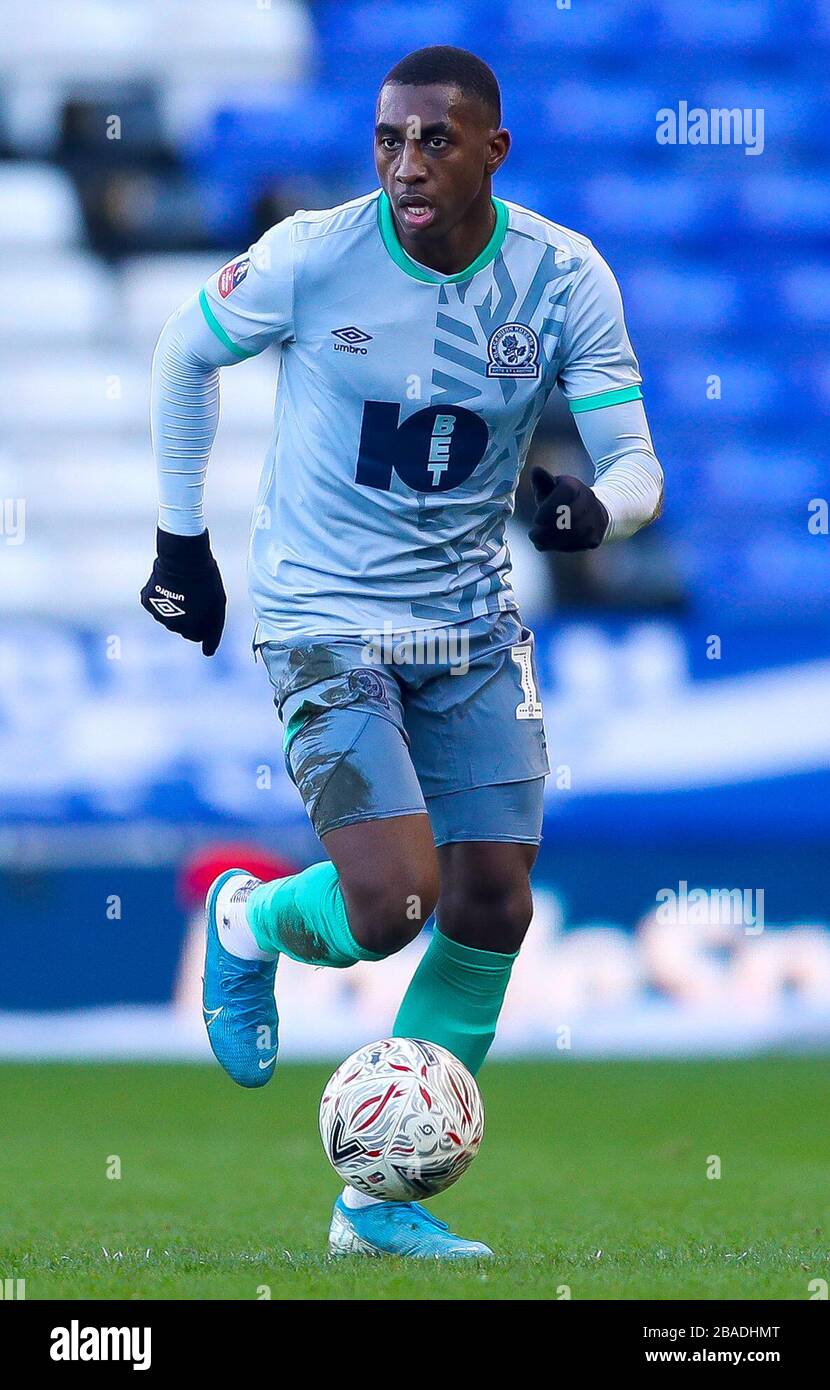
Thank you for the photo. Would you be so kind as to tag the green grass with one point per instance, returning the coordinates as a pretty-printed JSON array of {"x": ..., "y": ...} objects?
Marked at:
[{"x": 592, "y": 1175}]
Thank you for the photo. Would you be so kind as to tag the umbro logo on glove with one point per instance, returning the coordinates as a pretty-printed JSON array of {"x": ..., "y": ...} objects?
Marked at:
[
  {"x": 166, "y": 608},
  {"x": 185, "y": 592},
  {"x": 168, "y": 604}
]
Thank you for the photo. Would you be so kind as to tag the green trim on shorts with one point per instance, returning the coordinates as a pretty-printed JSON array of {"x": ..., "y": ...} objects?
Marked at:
[{"x": 292, "y": 728}]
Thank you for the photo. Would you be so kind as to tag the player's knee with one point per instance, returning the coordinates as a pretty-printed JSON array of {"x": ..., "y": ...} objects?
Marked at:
[
  {"x": 387, "y": 913},
  {"x": 488, "y": 916}
]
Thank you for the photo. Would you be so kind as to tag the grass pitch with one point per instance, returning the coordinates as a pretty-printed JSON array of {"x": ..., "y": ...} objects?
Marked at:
[{"x": 592, "y": 1176}]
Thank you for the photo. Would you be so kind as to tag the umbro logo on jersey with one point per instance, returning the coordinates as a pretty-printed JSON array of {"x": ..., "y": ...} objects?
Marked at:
[
  {"x": 350, "y": 340},
  {"x": 352, "y": 335}
]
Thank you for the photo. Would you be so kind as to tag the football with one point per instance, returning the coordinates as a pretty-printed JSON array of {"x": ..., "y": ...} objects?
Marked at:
[{"x": 401, "y": 1119}]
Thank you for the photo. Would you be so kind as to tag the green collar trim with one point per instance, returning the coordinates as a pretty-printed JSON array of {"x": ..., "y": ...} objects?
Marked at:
[{"x": 389, "y": 237}]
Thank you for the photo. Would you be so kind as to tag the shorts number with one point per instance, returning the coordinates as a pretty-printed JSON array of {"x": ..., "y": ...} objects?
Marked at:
[{"x": 531, "y": 706}]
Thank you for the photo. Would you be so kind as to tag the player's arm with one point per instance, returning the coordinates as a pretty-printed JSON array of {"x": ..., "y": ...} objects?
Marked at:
[
  {"x": 246, "y": 306},
  {"x": 601, "y": 381}
]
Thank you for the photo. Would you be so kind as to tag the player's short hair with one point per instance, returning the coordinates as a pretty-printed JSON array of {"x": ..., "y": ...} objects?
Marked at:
[{"x": 455, "y": 67}]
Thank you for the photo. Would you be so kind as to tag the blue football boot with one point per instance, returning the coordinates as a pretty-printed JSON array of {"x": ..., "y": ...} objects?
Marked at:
[
  {"x": 238, "y": 995},
  {"x": 398, "y": 1228}
]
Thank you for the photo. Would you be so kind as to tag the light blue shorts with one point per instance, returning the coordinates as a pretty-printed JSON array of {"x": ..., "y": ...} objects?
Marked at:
[{"x": 448, "y": 722}]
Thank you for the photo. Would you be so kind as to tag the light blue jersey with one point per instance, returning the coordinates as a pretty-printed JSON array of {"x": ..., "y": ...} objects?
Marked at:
[{"x": 405, "y": 405}]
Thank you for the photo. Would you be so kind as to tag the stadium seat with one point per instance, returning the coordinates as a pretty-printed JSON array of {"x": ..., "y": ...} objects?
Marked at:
[
  {"x": 88, "y": 39},
  {"x": 237, "y": 40},
  {"x": 38, "y": 208},
  {"x": 818, "y": 370},
  {"x": 659, "y": 206},
  {"x": 580, "y": 113},
  {"x": 108, "y": 390},
  {"x": 795, "y": 206},
  {"x": 750, "y": 388},
  {"x": 772, "y": 577},
  {"x": 804, "y": 294},
  {"x": 92, "y": 389},
  {"x": 789, "y": 472},
  {"x": 787, "y": 115},
  {"x": 92, "y": 39},
  {"x": 65, "y": 297},
  {"x": 286, "y": 133},
  {"x": 685, "y": 297},
  {"x": 356, "y": 39},
  {"x": 277, "y": 99},
  {"x": 542, "y": 32},
  {"x": 67, "y": 481},
  {"x": 756, "y": 25},
  {"x": 154, "y": 286}
]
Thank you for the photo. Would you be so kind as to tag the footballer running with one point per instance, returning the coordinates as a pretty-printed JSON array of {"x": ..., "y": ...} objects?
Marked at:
[{"x": 421, "y": 329}]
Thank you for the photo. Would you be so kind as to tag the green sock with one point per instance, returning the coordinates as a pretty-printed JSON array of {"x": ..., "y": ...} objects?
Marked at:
[
  {"x": 305, "y": 917},
  {"x": 454, "y": 999}
]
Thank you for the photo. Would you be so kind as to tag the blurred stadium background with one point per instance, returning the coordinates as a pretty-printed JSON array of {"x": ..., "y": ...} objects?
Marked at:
[{"x": 686, "y": 673}]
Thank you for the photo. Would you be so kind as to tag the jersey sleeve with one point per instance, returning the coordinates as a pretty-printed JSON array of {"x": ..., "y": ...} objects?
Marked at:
[
  {"x": 628, "y": 479},
  {"x": 597, "y": 363},
  {"x": 249, "y": 303}
]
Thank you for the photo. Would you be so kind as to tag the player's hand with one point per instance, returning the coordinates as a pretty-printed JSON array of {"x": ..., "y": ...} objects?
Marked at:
[
  {"x": 185, "y": 592},
  {"x": 569, "y": 515}
]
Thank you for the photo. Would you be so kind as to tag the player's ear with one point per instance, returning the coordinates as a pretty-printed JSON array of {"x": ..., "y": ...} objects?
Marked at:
[{"x": 498, "y": 150}]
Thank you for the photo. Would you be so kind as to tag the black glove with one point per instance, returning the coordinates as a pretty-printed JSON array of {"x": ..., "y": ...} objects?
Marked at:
[
  {"x": 569, "y": 515},
  {"x": 184, "y": 592}
]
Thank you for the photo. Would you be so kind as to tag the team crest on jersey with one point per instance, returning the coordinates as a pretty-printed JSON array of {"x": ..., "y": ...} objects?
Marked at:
[
  {"x": 513, "y": 350},
  {"x": 232, "y": 275}
]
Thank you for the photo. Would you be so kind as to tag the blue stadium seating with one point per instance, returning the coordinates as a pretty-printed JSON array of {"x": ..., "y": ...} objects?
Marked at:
[{"x": 722, "y": 255}]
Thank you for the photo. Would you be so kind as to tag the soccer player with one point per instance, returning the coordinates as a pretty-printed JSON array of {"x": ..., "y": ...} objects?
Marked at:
[{"x": 421, "y": 329}]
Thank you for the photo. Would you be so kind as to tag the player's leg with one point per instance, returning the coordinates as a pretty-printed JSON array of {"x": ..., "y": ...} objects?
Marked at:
[
  {"x": 486, "y": 902},
  {"x": 456, "y": 994},
  {"x": 485, "y": 802},
  {"x": 470, "y": 729},
  {"x": 380, "y": 884},
  {"x": 368, "y": 902},
  {"x": 388, "y": 877},
  {"x": 347, "y": 753}
]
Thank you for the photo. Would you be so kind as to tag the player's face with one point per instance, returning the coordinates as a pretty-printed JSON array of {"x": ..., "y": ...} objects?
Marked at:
[{"x": 435, "y": 151}]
